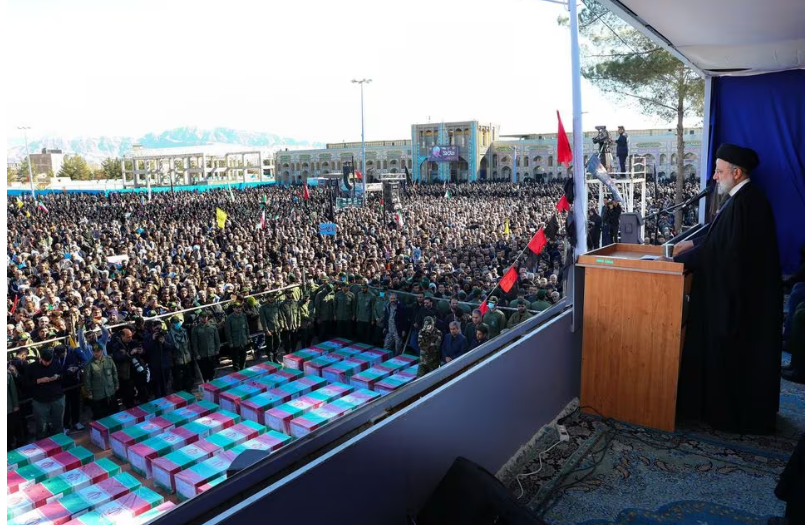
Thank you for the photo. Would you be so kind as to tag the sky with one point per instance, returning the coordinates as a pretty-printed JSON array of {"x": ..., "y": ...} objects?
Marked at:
[{"x": 130, "y": 67}]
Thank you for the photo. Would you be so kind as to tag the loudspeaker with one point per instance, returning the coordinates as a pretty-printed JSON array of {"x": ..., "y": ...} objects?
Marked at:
[
  {"x": 391, "y": 196},
  {"x": 246, "y": 459},
  {"x": 629, "y": 228},
  {"x": 469, "y": 495}
]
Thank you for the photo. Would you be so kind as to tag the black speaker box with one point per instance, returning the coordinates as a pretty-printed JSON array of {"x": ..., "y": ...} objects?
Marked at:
[
  {"x": 469, "y": 495},
  {"x": 629, "y": 228}
]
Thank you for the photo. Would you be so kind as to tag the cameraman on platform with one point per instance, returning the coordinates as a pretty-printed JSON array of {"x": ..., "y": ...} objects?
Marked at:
[
  {"x": 605, "y": 143},
  {"x": 622, "y": 149}
]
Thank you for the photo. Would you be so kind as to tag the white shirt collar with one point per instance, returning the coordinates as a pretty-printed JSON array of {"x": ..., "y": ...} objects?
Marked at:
[{"x": 739, "y": 186}]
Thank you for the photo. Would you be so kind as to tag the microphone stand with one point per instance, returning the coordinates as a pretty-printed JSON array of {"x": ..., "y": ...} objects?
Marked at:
[{"x": 670, "y": 209}]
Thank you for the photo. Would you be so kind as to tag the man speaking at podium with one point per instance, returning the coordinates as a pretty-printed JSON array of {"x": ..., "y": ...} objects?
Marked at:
[{"x": 731, "y": 363}]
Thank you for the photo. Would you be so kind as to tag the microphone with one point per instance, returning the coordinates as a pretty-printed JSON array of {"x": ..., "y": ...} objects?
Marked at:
[{"x": 700, "y": 195}]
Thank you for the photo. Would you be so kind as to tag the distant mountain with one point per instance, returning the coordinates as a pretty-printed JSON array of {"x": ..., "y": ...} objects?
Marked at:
[{"x": 96, "y": 149}]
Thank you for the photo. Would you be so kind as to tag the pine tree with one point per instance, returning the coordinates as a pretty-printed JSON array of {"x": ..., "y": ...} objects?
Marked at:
[{"x": 627, "y": 66}]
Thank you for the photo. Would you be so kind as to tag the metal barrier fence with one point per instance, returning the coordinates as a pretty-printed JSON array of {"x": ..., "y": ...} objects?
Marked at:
[{"x": 34, "y": 346}]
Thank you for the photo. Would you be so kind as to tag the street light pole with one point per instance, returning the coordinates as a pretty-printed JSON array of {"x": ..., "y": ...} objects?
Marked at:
[
  {"x": 28, "y": 153},
  {"x": 363, "y": 149}
]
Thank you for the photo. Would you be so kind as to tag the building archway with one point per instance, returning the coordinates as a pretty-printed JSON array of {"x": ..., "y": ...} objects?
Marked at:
[
  {"x": 662, "y": 160},
  {"x": 506, "y": 173},
  {"x": 483, "y": 168}
]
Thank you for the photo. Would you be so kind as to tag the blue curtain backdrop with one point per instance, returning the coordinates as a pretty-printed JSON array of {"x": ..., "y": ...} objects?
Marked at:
[{"x": 766, "y": 113}]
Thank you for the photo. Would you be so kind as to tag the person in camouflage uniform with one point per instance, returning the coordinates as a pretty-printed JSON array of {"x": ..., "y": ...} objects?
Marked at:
[
  {"x": 290, "y": 311},
  {"x": 378, "y": 311},
  {"x": 363, "y": 313},
  {"x": 430, "y": 341},
  {"x": 271, "y": 320},
  {"x": 344, "y": 311}
]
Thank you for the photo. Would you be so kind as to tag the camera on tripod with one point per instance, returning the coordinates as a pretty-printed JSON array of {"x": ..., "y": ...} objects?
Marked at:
[{"x": 603, "y": 139}]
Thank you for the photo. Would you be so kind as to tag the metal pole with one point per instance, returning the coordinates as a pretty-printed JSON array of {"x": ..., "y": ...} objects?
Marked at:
[
  {"x": 363, "y": 149},
  {"x": 580, "y": 187},
  {"x": 28, "y": 153}
]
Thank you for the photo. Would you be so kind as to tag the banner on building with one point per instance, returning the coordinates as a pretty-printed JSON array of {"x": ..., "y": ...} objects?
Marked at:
[{"x": 444, "y": 154}]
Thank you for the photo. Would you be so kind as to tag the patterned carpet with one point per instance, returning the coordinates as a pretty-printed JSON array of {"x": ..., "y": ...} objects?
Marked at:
[{"x": 613, "y": 473}]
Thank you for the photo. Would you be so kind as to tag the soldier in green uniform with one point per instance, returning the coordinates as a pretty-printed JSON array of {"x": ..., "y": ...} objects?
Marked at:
[
  {"x": 344, "y": 310},
  {"x": 205, "y": 345},
  {"x": 290, "y": 311},
  {"x": 430, "y": 342},
  {"x": 306, "y": 321},
  {"x": 520, "y": 299},
  {"x": 236, "y": 328},
  {"x": 272, "y": 322},
  {"x": 520, "y": 316},
  {"x": 495, "y": 319},
  {"x": 378, "y": 310},
  {"x": 356, "y": 284},
  {"x": 363, "y": 313},
  {"x": 541, "y": 303},
  {"x": 323, "y": 305}
]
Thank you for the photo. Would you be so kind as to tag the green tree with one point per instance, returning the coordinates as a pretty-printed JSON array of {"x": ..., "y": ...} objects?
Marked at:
[
  {"x": 22, "y": 172},
  {"x": 112, "y": 168},
  {"x": 628, "y": 67},
  {"x": 11, "y": 175},
  {"x": 75, "y": 167}
]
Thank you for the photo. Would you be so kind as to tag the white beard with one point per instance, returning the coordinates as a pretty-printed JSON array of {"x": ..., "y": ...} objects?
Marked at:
[{"x": 724, "y": 189}]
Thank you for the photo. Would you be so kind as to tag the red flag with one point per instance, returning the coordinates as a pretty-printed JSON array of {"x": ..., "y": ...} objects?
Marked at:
[
  {"x": 305, "y": 194},
  {"x": 16, "y": 302},
  {"x": 562, "y": 204},
  {"x": 538, "y": 242},
  {"x": 358, "y": 175},
  {"x": 483, "y": 308},
  {"x": 509, "y": 279},
  {"x": 564, "y": 154}
]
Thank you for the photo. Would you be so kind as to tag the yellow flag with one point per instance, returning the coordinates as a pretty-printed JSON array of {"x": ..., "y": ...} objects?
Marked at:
[
  {"x": 19, "y": 203},
  {"x": 71, "y": 341},
  {"x": 28, "y": 214},
  {"x": 506, "y": 227},
  {"x": 220, "y": 217}
]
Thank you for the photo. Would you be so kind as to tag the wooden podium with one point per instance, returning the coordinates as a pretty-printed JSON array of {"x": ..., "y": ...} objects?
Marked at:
[{"x": 632, "y": 334}]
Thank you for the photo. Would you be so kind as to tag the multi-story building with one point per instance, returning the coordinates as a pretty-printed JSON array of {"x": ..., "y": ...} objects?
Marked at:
[
  {"x": 48, "y": 162},
  {"x": 382, "y": 156},
  {"x": 483, "y": 154}
]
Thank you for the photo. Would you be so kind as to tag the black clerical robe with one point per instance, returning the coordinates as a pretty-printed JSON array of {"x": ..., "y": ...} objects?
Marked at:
[{"x": 731, "y": 362}]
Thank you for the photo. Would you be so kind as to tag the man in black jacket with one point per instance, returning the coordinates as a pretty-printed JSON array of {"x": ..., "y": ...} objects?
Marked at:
[
  {"x": 622, "y": 150},
  {"x": 45, "y": 385},
  {"x": 594, "y": 229}
]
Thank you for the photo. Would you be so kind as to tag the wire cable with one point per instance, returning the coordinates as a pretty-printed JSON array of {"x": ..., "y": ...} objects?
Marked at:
[{"x": 540, "y": 461}]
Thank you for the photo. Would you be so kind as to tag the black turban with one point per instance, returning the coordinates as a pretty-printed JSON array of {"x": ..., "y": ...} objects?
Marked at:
[{"x": 743, "y": 157}]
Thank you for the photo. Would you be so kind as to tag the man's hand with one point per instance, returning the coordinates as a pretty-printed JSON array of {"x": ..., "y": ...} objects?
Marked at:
[
  {"x": 89, "y": 396},
  {"x": 682, "y": 247}
]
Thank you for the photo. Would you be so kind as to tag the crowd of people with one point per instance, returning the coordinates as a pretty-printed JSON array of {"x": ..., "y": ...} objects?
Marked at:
[{"x": 88, "y": 273}]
